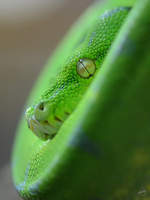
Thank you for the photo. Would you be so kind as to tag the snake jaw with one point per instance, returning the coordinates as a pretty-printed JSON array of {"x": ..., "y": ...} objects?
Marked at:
[
  {"x": 39, "y": 121},
  {"x": 43, "y": 130},
  {"x": 43, "y": 121}
]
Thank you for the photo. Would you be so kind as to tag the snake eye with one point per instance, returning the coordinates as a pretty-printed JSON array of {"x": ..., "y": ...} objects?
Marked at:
[{"x": 86, "y": 68}]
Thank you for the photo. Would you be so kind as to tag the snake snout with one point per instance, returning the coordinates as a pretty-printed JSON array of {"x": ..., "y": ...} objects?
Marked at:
[
  {"x": 43, "y": 121},
  {"x": 42, "y": 111},
  {"x": 39, "y": 122}
]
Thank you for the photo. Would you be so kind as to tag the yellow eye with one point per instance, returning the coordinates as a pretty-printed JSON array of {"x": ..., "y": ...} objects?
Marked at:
[{"x": 86, "y": 68}]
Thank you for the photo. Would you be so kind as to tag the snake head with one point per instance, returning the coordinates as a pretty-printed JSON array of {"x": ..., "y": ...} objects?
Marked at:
[
  {"x": 76, "y": 73},
  {"x": 41, "y": 120}
]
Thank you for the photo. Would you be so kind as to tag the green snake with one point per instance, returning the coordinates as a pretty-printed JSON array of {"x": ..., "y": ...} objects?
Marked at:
[{"x": 86, "y": 129}]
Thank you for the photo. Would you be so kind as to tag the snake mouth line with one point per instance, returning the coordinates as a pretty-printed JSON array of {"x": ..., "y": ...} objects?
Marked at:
[{"x": 45, "y": 129}]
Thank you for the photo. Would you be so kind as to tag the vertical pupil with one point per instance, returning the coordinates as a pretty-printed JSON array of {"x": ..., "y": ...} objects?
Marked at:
[
  {"x": 86, "y": 68},
  {"x": 82, "y": 63}
]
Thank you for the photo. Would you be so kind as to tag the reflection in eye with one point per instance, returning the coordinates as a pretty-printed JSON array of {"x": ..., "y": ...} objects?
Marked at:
[{"x": 86, "y": 68}]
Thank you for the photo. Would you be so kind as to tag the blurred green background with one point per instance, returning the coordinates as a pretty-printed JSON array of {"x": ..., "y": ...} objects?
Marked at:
[{"x": 29, "y": 32}]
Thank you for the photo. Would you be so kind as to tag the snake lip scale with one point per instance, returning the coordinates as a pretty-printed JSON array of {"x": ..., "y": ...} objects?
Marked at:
[{"x": 46, "y": 126}]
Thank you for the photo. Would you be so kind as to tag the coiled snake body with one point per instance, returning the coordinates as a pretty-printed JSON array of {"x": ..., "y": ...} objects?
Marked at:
[{"x": 85, "y": 133}]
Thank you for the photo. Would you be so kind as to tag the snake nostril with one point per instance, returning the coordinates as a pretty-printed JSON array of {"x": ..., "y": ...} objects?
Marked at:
[
  {"x": 43, "y": 111},
  {"x": 41, "y": 106}
]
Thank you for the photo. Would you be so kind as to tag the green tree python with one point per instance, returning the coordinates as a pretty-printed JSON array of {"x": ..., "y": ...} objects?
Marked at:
[{"x": 85, "y": 133}]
